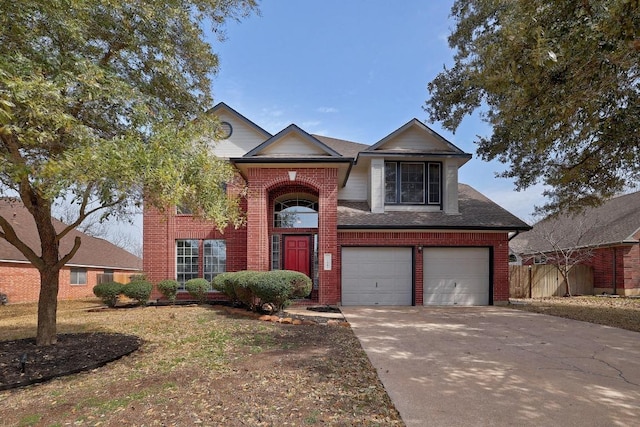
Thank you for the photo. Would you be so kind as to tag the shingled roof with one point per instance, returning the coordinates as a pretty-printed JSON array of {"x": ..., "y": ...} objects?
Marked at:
[
  {"x": 615, "y": 222},
  {"x": 476, "y": 213},
  {"x": 345, "y": 148},
  {"x": 93, "y": 252}
]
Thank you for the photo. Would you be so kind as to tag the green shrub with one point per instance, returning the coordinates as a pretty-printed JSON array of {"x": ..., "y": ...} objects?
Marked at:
[
  {"x": 141, "y": 277},
  {"x": 221, "y": 283},
  {"x": 276, "y": 287},
  {"x": 300, "y": 283},
  {"x": 197, "y": 288},
  {"x": 279, "y": 286},
  {"x": 240, "y": 286},
  {"x": 139, "y": 290},
  {"x": 108, "y": 292},
  {"x": 169, "y": 289}
]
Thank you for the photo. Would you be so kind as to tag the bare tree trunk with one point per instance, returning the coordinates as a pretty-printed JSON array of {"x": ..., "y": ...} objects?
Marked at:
[
  {"x": 565, "y": 275},
  {"x": 48, "y": 306}
]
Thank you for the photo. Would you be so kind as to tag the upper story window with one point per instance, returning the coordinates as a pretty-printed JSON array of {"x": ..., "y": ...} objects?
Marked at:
[
  {"x": 413, "y": 183},
  {"x": 296, "y": 213}
]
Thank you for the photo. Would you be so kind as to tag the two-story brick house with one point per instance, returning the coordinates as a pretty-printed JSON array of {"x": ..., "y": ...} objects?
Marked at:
[{"x": 381, "y": 224}]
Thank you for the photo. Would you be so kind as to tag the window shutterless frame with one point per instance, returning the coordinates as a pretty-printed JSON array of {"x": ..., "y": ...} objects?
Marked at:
[{"x": 413, "y": 183}]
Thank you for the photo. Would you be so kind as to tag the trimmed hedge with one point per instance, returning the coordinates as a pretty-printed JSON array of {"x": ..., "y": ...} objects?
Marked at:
[
  {"x": 169, "y": 289},
  {"x": 139, "y": 290},
  {"x": 276, "y": 287},
  {"x": 198, "y": 288},
  {"x": 108, "y": 292}
]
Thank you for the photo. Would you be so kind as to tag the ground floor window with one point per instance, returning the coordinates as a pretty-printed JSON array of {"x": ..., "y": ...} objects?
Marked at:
[
  {"x": 200, "y": 258},
  {"x": 187, "y": 260},
  {"x": 275, "y": 252},
  {"x": 215, "y": 258},
  {"x": 78, "y": 276}
]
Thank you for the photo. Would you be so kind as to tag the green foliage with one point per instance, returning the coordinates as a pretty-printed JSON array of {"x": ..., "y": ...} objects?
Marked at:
[
  {"x": 198, "y": 289},
  {"x": 240, "y": 282},
  {"x": 108, "y": 292},
  {"x": 276, "y": 287},
  {"x": 169, "y": 289},
  {"x": 558, "y": 83},
  {"x": 102, "y": 102},
  {"x": 138, "y": 290},
  {"x": 279, "y": 286}
]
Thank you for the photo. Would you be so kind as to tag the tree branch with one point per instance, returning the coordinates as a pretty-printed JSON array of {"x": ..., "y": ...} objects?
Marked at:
[
  {"x": 84, "y": 214},
  {"x": 9, "y": 234},
  {"x": 76, "y": 245}
]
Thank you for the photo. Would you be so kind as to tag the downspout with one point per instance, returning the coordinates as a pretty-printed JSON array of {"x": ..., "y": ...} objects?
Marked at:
[
  {"x": 615, "y": 275},
  {"x": 516, "y": 233}
]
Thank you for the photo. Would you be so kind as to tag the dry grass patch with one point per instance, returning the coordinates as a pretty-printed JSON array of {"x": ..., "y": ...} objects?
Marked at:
[
  {"x": 621, "y": 313},
  {"x": 199, "y": 365}
]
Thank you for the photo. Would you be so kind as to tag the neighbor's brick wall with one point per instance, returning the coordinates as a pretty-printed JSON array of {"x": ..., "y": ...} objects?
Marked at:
[
  {"x": 497, "y": 241},
  {"x": 21, "y": 283},
  {"x": 627, "y": 270}
]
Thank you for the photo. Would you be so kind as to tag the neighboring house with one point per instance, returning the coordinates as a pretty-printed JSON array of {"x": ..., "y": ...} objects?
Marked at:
[
  {"x": 96, "y": 259},
  {"x": 609, "y": 232},
  {"x": 386, "y": 224}
]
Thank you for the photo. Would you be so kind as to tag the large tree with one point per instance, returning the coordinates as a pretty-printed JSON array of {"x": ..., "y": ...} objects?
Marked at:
[
  {"x": 102, "y": 101},
  {"x": 559, "y": 83}
]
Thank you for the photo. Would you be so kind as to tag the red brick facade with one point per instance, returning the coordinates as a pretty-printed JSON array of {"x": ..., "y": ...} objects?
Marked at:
[
  {"x": 617, "y": 270},
  {"x": 250, "y": 247},
  {"x": 21, "y": 283},
  {"x": 497, "y": 242}
]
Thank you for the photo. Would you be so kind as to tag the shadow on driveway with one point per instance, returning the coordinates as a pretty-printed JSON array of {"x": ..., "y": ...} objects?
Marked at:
[{"x": 493, "y": 366}]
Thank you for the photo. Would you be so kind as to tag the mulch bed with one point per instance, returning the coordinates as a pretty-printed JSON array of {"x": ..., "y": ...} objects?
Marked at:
[{"x": 23, "y": 363}]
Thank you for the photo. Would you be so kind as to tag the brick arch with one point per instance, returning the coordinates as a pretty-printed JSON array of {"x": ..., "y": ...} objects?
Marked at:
[
  {"x": 302, "y": 180},
  {"x": 287, "y": 188}
]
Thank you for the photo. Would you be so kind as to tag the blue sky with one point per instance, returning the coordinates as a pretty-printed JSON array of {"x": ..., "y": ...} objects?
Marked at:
[{"x": 350, "y": 69}]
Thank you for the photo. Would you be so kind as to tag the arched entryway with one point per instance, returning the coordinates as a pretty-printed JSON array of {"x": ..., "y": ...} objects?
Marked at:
[{"x": 294, "y": 231}]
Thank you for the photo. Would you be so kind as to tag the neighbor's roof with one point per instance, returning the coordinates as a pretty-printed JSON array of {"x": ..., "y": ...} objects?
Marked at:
[
  {"x": 476, "y": 213},
  {"x": 93, "y": 252},
  {"x": 615, "y": 222}
]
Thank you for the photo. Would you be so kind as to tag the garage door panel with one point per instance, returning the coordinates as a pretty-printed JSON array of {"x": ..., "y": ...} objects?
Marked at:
[
  {"x": 377, "y": 276},
  {"x": 439, "y": 299},
  {"x": 456, "y": 276}
]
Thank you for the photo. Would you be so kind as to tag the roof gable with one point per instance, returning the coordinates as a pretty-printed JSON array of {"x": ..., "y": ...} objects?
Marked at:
[
  {"x": 245, "y": 135},
  {"x": 415, "y": 137},
  {"x": 222, "y": 109},
  {"x": 293, "y": 142}
]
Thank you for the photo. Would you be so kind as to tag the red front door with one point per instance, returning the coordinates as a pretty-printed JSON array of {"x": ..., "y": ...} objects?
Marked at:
[{"x": 296, "y": 254}]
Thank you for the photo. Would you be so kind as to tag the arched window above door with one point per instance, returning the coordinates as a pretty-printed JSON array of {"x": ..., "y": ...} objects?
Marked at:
[{"x": 293, "y": 211}]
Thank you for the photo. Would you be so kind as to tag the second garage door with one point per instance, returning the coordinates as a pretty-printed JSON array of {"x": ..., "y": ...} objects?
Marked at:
[
  {"x": 456, "y": 276},
  {"x": 377, "y": 276}
]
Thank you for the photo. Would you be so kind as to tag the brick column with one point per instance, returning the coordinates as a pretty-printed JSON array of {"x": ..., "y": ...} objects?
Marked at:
[
  {"x": 328, "y": 237},
  {"x": 257, "y": 224}
]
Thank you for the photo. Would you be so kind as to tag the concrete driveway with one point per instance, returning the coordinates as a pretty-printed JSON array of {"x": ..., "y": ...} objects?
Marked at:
[{"x": 475, "y": 366}]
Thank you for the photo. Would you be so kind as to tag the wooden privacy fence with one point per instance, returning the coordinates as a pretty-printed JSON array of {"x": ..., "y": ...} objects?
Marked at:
[
  {"x": 114, "y": 277},
  {"x": 537, "y": 281}
]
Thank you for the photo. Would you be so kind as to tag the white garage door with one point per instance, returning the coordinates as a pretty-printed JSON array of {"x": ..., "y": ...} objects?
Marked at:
[
  {"x": 456, "y": 276},
  {"x": 377, "y": 276}
]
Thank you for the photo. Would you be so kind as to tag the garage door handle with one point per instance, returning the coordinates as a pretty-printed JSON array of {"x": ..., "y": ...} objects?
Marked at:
[{"x": 376, "y": 284}]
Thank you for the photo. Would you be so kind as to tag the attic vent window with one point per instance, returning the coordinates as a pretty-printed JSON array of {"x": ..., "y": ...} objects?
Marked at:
[{"x": 225, "y": 130}]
